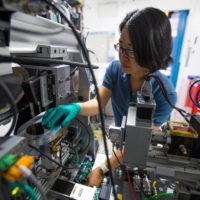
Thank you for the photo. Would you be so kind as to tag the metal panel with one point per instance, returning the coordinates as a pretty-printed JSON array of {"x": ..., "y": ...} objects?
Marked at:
[
  {"x": 136, "y": 137},
  {"x": 27, "y": 32},
  {"x": 62, "y": 84},
  {"x": 137, "y": 142}
]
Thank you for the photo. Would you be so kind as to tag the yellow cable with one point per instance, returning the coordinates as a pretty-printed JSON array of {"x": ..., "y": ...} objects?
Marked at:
[
  {"x": 154, "y": 187},
  {"x": 154, "y": 183}
]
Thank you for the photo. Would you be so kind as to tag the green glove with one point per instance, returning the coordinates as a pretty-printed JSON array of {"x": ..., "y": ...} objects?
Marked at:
[{"x": 60, "y": 116}]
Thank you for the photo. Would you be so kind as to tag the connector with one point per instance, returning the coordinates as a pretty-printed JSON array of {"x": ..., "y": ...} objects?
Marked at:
[
  {"x": 13, "y": 173},
  {"x": 7, "y": 161},
  {"x": 146, "y": 90}
]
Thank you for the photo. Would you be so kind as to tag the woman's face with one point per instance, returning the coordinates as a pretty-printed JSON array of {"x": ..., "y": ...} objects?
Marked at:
[{"x": 128, "y": 62}]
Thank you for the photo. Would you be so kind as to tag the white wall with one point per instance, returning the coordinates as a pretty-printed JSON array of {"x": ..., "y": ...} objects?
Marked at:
[
  {"x": 106, "y": 15},
  {"x": 190, "y": 56},
  {"x": 102, "y": 15}
]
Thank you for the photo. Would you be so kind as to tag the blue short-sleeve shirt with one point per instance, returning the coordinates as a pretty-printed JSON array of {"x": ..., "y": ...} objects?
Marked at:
[{"x": 119, "y": 83}]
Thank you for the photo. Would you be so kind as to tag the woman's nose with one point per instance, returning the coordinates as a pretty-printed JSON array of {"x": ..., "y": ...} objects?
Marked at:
[{"x": 123, "y": 55}]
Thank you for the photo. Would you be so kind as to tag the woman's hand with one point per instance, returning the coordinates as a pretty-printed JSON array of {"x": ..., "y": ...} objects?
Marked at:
[
  {"x": 60, "y": 115},
  {"x": 95, "y": 177}
]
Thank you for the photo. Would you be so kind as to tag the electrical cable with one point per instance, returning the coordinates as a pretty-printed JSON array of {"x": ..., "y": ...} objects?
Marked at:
[
  {"x": 116, "y": 157},
  {"x": 63, "y": 15},
  {"x": 54, "y": 161},
  {"x": 28, "y": 174},
  {"x": 197, "y": 99},
  {"x": 86, "y": 129},
  {"x": 41, "y": 61},
  {"x": 42, "y": 167},
  {"x": 29, "y": 191},
  {"x": 163, "y": 89},
  {"x": 154, "y": 187},
  {"x": 13, "y": 106},
  {"x": 60, "y": 152},
  {"x": 159, "y": 195},
  {"x": 190, "y": 94},
  {"x": 129, "y": 180}
]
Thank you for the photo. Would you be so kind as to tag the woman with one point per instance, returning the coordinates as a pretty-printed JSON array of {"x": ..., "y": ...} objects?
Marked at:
[{"x": 144, "y": 47}]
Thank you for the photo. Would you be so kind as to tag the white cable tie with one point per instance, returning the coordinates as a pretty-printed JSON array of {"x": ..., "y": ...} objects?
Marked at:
[{"x": 25, "y": 171}]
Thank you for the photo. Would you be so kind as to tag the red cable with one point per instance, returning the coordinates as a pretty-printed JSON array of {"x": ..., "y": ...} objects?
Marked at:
[{"x": 129, "y": 180}]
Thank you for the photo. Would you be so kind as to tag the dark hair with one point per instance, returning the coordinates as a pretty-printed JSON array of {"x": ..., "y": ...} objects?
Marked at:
[{"x": 150, "y": 34}]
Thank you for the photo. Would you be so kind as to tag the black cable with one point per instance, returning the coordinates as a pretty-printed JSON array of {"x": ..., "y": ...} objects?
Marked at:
[
  {"x": 49, "y": 158},
  {"x": 60, "y": 152},
  {"x": 13, "y": 106},
  {"x": 42, "y": 167},
  {"x": 87, "y": 131},
  {"x": 63, "y": 15},
  {"x": 166, "y": 96},
  {"x": 163, "y": 89},
  {"x": 116, "y": 157},
  {"x": 41, "y": 61}
]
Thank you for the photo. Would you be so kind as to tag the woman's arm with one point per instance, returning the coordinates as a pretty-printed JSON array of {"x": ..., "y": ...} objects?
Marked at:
[
  {"x": 96, "y": 176},
  {"x": 90, "y": 107},
  {"x": 114, "y": 161}
]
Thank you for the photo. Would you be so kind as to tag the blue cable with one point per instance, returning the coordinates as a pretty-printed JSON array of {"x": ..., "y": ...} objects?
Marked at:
[
  {"x": 190, "y": 94},
  {"x": 197, "y": 99}
]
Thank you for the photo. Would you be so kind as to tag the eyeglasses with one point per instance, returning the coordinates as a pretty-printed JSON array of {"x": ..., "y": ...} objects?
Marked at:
[{"x": 129, "y": 53}]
